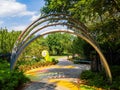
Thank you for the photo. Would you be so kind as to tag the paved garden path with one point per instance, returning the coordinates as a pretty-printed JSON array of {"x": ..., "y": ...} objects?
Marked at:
[{"x": 63, "y": 76}]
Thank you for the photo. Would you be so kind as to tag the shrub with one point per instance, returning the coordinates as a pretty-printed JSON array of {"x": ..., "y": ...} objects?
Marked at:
[
  {"x": 54, "y": 61},
  {"x": 100, "y": 80},
  {"x": 28, "y": 65},
  {"x": 87, "y": 75},
  {"x": 115, "y": 70},
  {"x": 9, "y": 80},
  {"x": 94, "y": 79},
  {"x": 116, "y": 77}
]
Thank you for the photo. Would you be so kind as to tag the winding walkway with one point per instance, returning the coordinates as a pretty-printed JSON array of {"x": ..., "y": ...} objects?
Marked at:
[{"x": 63, "y": 76}]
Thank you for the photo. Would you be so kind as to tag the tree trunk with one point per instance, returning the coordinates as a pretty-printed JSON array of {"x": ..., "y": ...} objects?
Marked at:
[{"x": 95, "y": 64}]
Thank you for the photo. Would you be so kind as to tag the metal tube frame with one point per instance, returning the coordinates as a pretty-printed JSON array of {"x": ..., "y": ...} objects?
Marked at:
[{"x": 78, "y": 29}]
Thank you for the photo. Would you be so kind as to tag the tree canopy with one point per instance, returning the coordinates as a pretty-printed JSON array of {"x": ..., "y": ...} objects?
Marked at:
[
  {"x": 84, "y": 10},
  {"x": 102, "y": 18},
  {"x": 7, "y": 40},
  {"x": 59, "y": 43}
]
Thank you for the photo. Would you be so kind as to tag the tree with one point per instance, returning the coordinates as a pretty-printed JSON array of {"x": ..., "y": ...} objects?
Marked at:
[
  {"x": 7, "y": 40},
  {"x": 77, "y": 47},
  {"x": 83, "y": 10},
  {"x": 101, "y": 16},
  {"x": 59, "y": 43},
  {"x": 108, "y": 39},
  {"x": 34, "y": 50}
]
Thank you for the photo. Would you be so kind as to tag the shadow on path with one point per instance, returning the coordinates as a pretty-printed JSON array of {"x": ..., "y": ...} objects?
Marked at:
[{"x": 40, "y": 86}]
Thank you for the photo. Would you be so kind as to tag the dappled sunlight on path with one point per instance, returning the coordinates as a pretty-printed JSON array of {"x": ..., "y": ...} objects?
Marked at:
[
  {"x": 55, "y": 71},
  {"x": 67, "y": 85},
  {"x": 72, "y": 84},
  {"x": 63, "y": 76}
]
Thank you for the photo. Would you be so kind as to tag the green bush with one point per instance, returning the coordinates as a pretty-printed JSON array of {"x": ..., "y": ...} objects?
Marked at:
[
  {"x": 93, "y": 79},
  {"x": 9, "y": 80},
  {"x": 116, "y": 83},
  {"x": 115, "y": 70},
  {"x": 100, "y": 80},
  {"x": 28, "y": 65},
  {"x": 87, "y": 75},
  {"x": 54, "y": 61}
]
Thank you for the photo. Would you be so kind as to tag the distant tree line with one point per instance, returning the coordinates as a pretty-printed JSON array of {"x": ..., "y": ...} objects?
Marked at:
[
  {"x": 7, "y": 40},
  {"x": 56, "y": 44}
]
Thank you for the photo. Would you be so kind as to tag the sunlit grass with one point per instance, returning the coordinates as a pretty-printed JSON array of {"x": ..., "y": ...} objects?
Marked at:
[{"x": 58, "y": 57}]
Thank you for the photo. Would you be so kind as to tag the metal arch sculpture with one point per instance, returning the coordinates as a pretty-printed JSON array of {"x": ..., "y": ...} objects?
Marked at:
[{"x": 75, "y": 26}]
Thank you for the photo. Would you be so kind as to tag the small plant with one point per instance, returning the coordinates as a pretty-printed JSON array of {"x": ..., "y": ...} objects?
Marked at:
[{"x": 54, "y": 61}]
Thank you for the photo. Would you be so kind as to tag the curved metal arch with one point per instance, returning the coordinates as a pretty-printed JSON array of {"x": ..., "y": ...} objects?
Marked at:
[
  {"x": 95, "y": 47},
  {"x": 81, "y": 29},
  {"x": 25, "y": 41},
  {"x": 48, "y": 18},
  {"x": 36, "y": 23},
  {"x": 64, "y": 24},
  {"x": 51, "y": 15},
  {"x": 87, "y": 38},
  {"x": 20, "y": 42}
]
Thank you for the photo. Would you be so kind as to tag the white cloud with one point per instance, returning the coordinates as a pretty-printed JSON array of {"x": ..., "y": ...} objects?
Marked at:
[
  {"x": 34, "y": 17},
  {"x": 19, "y": 28},
  {"x": 13, "y": 8}
]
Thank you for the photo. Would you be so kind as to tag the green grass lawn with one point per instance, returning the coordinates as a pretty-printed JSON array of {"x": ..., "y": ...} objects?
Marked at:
[{"x": 58, "y": 57}]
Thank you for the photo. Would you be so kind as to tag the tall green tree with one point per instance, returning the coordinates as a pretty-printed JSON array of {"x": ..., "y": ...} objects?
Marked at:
[
  {"x": 101, "y": 16},
  {"x": 7, "y": 40},
  {"x": 59, "y": 43},
  {"x": 77, "y": 47},
  {"x": 83, "y": 10},
  {"x": 34, "y": 50}
]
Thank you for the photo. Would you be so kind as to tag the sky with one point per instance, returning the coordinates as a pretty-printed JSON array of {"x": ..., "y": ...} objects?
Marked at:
[{"x": 18, "y": 14}]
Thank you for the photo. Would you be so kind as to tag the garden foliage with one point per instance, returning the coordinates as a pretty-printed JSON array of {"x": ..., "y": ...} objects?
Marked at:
[
  {"x": 35, "y": 63},
  {"x": 10, "y": 80},
  {"x": 100, "y": 80}
]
